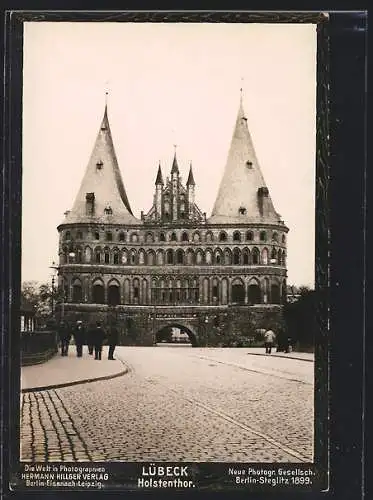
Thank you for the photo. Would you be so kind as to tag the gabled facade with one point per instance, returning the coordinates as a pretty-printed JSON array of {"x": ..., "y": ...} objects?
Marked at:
[{"x": 174, "y": 266}]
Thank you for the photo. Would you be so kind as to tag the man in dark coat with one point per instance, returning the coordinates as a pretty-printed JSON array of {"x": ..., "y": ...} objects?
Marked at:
[
  {"x": 90, "y": 338},
  {"x": 98, "y": 339},
  {"x": 64, "y": 336},
  {"x": 112, "y": 339},
  {"x": 79, "y": 337}
]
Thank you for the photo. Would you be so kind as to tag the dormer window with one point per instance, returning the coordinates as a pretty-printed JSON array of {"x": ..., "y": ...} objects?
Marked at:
[
  {"x": 249, "y": 164},
  {"x": 108, "y": 210},
  {"x": 99, "y": 165},
  {"x": 242, "y": 211}
]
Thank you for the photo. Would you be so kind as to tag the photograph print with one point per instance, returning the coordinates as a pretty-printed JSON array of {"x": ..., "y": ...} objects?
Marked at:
[{"x": 168, "y": 289}]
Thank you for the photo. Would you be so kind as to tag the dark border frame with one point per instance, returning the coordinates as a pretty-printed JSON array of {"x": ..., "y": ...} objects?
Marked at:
[{"x": 347, "y": 45}]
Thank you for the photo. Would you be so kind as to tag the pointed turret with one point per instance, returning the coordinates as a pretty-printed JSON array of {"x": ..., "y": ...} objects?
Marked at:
[
  {"x": 102, "y": 196},
  {"x": 159, "y": 179},
  {"x": 175, "y": 166},
  {"x": 190, "y": 181},
  {"x": 243, "y": 195}
]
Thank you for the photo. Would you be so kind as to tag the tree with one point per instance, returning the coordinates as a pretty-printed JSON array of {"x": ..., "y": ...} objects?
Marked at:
[
  {"x": 40, "y": 296},
  {"x": 300, "y": 317}
]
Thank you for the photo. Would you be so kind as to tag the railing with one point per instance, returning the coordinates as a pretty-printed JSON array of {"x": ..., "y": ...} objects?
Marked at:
[{"x": 38, "y": 346}]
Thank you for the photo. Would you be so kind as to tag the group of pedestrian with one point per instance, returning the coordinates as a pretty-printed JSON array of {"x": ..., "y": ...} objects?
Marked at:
[
  {"x": 93, "y": 337},
  {"x": 283, "y": 342}
]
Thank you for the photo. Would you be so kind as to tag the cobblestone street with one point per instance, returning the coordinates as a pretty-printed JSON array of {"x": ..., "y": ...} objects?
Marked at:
[{"x": 177, "y": 404}]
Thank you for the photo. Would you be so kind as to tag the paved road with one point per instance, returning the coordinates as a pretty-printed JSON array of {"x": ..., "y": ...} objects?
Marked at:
[{"x": 178, "y": 404}]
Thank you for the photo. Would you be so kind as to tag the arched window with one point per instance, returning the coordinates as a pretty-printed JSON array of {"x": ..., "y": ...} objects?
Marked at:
[
  {"x": 144, "y": 291},
  {"x": 162, "y": 237},
  {"x": 109, "y": 236},
  {"x": 199, "y": 257},
  {"x": 151, "y": 258},
  {"x": 208, "y": 256},
  {"x": 224, "y": 291},
  {"x": 227, "y": 257},
  {"x": 236, "y": 256},
  {"x": 97, "y": 235},
  {"x": 274, "y": 257},
  {"x": 275, "y": 294},
  {"x": 107, "y": 256},
  {"x": 185, "y": 236},
  {"x": 246, "y": 256},
  {"x": 149, "y": 237},
  {"x": 170, "y": 257},
  {"x": 253, "y": 293},
  {"x": 205, "y": 291},
  {"x": 218, "y": 256},
  {"x": 98, "y": 293},
  {"x": 190, "y": 257},
  {"x": 236, "y": 236},
  {"x": 265, "y": 256},
  {"x": 160, "y": 258},
  {"x": 173, "y": 237},
  {"x": 142, "y": 257},
  {"x": 222, "y": 236},
  {"x": 122, "y": 236},
  {"x": 116, "y": 257},
  {"x": 263, "y": 236},
  {"x": 179, "y": 257},
  {"x": 113, "y": 296},
  {"x": 133, "y": 257},
  {"x": 215, "y": 290},
  {"x": 124, "y": 256},
  {"x": 275, "y": 236},
  {"x": 283, "y": 238},
  {"x": 283, "y": 258},
  {"x": 77, "y": 291},
  {"x": 79, "y": 235},
  {"x": 97, "y": 255},
  {"x": 79, "y": 255},
  {"x": 134, "y": 237},
  {"x": 196, "y": 237},
  {"x": 265, "y": 290},
  {"x": 255, "y": 256},
  {"x": 135, "y": 291},
  {"x": 87, "y": 254},
  {"x": 238, "y": 292},
  {"x": 67, "y": 236},
  {"x": 209, "y": 236},
  {"x": 126, "y": 289},
  {"x": 249, "y": 236}
]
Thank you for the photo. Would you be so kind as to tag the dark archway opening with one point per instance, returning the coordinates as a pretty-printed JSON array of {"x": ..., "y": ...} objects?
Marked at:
[
  {"x": 238, "y": 294},
  {"x": 254, "y": 294},
  {"x": 98, "y": 294},
  {"x": 113, "y": 295},
  {"x": 275, "y": 294},
  {"x": 175, "y": 335}
]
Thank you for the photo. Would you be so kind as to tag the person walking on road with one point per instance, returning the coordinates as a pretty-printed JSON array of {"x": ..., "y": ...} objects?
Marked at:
[
  {"x": 64, "y": 336},
  {"x": 269, "y": 340},
  {"x": 98, "y": 339},
  {"x": 79, "y": 337},
  {"x": 90, "y": 338},
  {"x": 113, "y": 338}
]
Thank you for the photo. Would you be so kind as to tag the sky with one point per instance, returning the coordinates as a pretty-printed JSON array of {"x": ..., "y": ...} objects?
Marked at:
[{"x": 167, "y": 84}]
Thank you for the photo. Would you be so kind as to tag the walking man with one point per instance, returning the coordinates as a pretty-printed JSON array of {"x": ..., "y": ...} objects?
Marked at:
[
  {"x": 64, "y": 336},
  {"x": 112, "y": 340},
  {"x": 90, "y": 338},
  {"x": 98, "y": 338},
  {"x": 79, "y": 337},
  {"x": 269, "y": 340}
]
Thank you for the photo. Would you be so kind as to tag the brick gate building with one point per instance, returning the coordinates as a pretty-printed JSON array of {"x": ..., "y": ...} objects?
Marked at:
[{"x": 174, "y": 266}]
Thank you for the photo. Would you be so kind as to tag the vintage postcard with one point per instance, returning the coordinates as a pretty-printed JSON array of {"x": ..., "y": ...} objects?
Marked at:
[{"x": 170, "y": 327}]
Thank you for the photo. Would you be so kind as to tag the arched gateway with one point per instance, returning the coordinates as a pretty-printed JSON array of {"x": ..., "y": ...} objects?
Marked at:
[{"x": 166, "y": 334}]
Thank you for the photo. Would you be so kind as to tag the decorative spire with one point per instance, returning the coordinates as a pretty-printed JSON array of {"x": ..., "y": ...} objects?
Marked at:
[
  {"x": 159, "y": 179},
  {"x": 175, "y": 166},
  {"x": 190, "y": 181}
]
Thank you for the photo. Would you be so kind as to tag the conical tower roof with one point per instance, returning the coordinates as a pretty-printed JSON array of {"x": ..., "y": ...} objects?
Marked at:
[
  {"x": 175, "y": 166},
  {"x": 243, "y": 196},
  {"x": 102, "y": 178},
  {"x": 159, "y": 179},
  {"x": 190, "y": 181}
]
